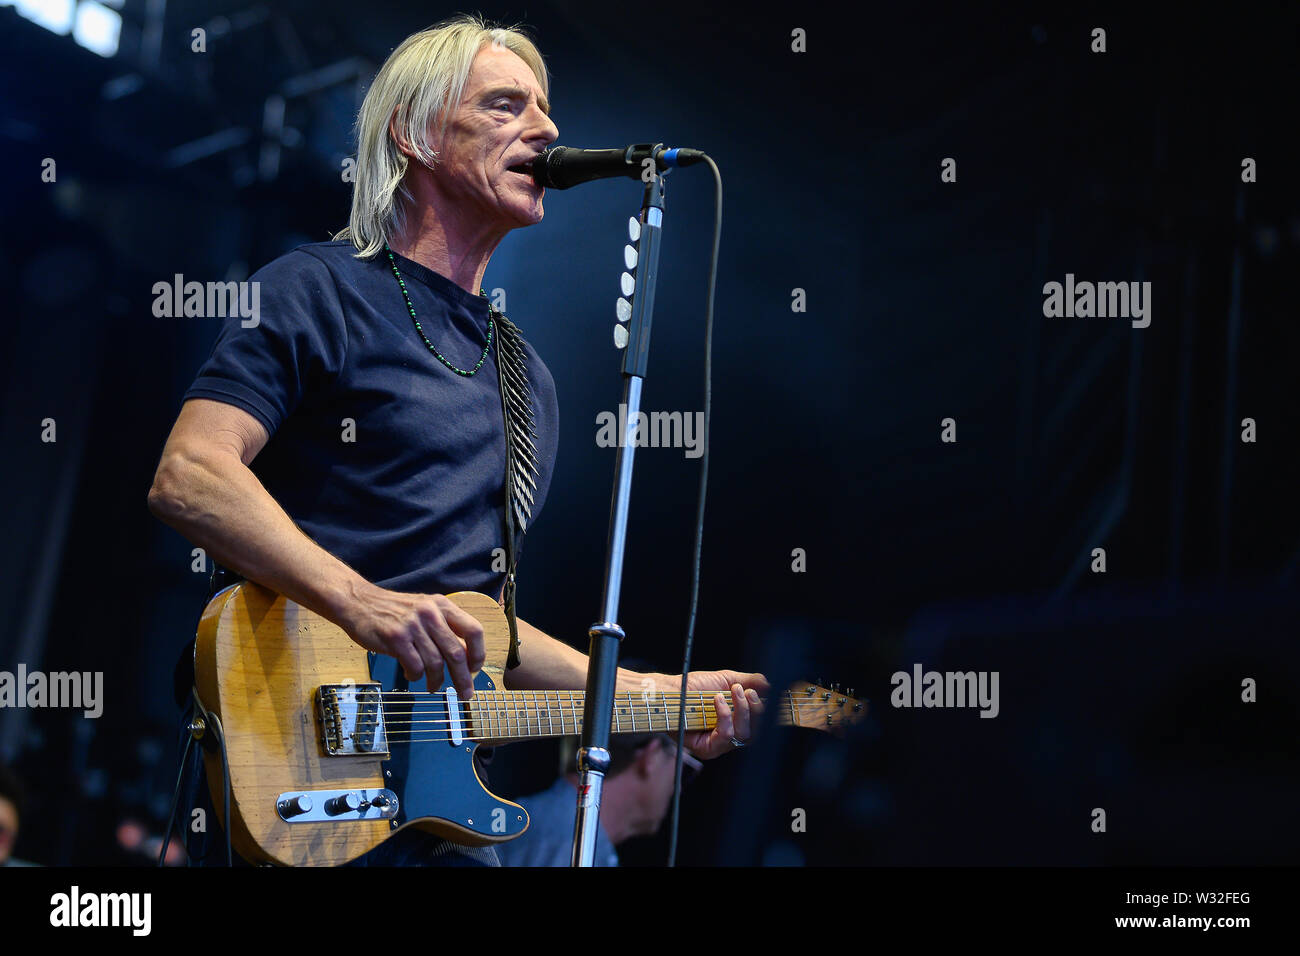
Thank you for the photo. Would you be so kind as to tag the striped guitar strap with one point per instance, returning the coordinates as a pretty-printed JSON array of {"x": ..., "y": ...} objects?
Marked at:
[{"x": 521, "y": 458}]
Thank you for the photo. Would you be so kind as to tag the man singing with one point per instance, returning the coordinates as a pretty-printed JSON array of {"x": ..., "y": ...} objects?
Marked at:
[{"x": 348, "y": 449}]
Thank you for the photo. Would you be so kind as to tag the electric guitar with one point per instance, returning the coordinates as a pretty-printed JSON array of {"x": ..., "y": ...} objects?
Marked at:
[{"x": 326, "y": 763}]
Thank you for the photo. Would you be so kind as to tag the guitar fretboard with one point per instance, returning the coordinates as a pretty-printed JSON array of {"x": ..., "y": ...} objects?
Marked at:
[
  {"x": 501, "y": 715},
  {"x": 368, "y": 720}
]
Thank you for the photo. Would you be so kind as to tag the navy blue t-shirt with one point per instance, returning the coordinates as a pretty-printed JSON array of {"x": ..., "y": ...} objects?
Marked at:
[{"x": 415, "y": 501}]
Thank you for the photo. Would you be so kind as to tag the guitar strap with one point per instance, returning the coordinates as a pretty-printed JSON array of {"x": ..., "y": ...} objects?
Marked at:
[{"x": 521, "y": 459}]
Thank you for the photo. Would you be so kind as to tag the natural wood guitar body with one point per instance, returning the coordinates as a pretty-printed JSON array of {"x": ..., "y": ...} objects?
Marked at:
[{"x": 258, "y": 661}]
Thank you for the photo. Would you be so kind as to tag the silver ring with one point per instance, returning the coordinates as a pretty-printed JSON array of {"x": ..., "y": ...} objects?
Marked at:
[{"x": 737, "y": 743}]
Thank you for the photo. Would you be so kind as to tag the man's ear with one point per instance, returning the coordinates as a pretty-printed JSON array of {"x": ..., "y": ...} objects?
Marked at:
[
  {"x": 648, "y": 755},
  {"x": 645, "y": 760},
  {"x": 397, "y": 136},
  {"x": 397, "y": 131}
]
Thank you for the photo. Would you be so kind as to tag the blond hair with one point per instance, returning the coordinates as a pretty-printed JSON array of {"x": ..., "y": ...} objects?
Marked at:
[{"x": 422, "y": 81}]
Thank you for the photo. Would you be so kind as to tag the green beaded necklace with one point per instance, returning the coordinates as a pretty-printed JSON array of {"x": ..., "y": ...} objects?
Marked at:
[{"x": 492, "y": 313}]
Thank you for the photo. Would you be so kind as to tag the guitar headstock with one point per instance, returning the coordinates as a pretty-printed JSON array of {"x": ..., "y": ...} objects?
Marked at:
[{"x": 819, "y": 708}]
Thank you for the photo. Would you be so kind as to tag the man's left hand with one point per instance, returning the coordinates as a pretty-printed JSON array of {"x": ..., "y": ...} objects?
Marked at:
[{"x": 737, "y": 703}]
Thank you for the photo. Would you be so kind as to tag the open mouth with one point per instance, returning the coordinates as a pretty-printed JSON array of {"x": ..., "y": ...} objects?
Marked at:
[
  {"x": 524, "y": 169},
  {"x": 526, "y": 176}
]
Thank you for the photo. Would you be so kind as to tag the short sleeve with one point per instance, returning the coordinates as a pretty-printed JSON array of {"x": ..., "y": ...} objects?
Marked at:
[{"x": 295, "y": 342}]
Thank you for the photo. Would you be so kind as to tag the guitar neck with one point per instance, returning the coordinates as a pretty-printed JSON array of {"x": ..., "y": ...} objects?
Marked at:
[{"x": 517, "y": 714}]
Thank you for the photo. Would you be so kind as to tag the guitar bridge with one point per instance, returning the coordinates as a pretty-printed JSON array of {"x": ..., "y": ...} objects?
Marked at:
[{"x": 351, "y": 720}]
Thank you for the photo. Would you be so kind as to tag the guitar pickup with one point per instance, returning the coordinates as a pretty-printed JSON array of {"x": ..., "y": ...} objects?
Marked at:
[{"x": 352, "y": 720}]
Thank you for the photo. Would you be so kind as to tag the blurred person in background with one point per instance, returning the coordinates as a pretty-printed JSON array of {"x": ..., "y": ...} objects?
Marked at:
[
  {"x": 637, "y": 793},
  {"x": 11, "y": 806}
]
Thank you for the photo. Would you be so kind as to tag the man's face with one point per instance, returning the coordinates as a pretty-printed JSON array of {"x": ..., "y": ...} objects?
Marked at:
[
  {"x": 663, "y": 786},
  {"x": 655, "y": 790},
  {"x": 8, "y": 828},
  {"x": 501, "y": 122}
]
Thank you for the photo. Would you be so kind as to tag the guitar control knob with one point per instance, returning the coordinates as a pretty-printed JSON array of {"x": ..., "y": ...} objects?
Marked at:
[
  {"x": 293, "y": 806},
  {"x": 346, "y": 803}
]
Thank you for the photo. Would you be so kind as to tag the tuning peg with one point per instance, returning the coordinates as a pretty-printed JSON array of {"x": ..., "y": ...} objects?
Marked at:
[
  {"x": 620, "y": 336},
  {"x": 634, "y": 228},
  {"x": 623, "y": 309},
  {"x": 627, "y": 283},
  {"x": 851, "y": 694},
  {"x": 629, "y": 256}
]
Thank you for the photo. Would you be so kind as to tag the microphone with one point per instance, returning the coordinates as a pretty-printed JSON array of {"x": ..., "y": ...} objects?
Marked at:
[{"x": 563, "y": 166}]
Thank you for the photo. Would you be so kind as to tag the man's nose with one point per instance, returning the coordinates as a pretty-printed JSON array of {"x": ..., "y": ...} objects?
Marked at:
[{"x": 545, "y": 129}]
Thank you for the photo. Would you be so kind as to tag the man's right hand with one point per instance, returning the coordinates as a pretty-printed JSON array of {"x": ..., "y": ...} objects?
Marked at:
[{"x": 424, "y": 632}]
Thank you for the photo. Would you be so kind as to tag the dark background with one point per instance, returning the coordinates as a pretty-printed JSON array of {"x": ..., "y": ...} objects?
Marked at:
[{"x": 924, "y": 301}]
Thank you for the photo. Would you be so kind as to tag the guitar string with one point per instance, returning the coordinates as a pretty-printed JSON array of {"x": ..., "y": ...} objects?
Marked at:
[
  {"x": 512, "y": 729},
  {"x": 507, "y": 731},
  {"x": 488, "y": 732},
  {"x": 494, "y": 707},
  {"x": 557, "y": 707},
  {"x": 488, "y": 709},
  {"x": 493, "y": 725},
  {"x": 486, "y": 699},
  {"x": 397, "y": 707},
  {"x": 483, "y": 702},
  {"x": 532, "y": 711},
  {"x": 626, "y": 695},
  {"x": 562, "y": 707},
  {"x": 649, "y": 721},
  {"x": 471, "y": 707},
  {"x": 440, "y": 705},
  {"x": 486, "y": 719}
]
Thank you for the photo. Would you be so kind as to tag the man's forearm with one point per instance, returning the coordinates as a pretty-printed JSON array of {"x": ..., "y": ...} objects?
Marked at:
[
  {"x": 549, "y": 664},
  {"x": 218, "y": 504}
]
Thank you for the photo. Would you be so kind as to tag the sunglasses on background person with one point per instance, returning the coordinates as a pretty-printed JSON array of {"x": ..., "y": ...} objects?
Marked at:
[{"x": 691, "y": 766}]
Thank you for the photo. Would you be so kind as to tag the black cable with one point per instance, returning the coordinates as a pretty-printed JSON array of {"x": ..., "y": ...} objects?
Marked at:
[
  {"x": 176, "y": 797},
  {"x": 699, "y": 513},
  {"x": 225, "y": 776}
]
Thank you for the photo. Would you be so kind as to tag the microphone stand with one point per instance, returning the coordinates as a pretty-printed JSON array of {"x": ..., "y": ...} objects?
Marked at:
[{"x": 606, "y": 635}]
